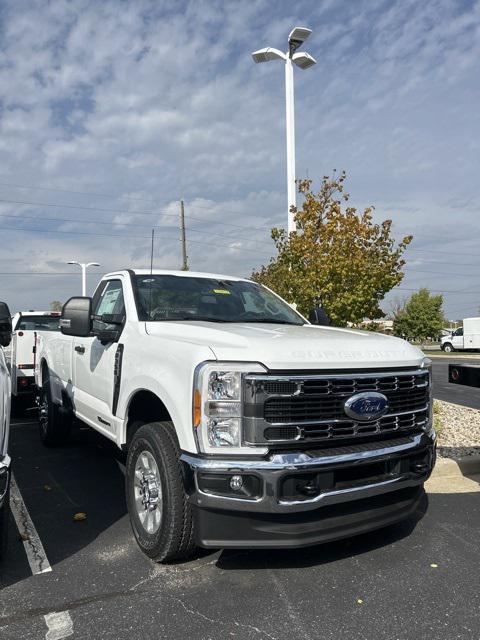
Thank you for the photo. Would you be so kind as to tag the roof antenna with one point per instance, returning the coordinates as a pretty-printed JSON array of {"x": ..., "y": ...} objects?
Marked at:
[
  {"x": 150, "y": 283},
  {"x": 151, "y": 252}
]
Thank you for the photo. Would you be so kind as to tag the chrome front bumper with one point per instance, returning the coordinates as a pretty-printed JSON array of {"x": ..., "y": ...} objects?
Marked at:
[
  {"x": 273, "y": 470},
  {"x": 365, "y": 487}
]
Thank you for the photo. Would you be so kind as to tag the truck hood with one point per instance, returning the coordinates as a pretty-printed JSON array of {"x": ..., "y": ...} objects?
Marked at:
[{"x": 292, "y": 347}]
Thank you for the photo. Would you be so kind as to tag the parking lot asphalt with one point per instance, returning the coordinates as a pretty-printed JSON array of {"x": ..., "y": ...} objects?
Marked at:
[
  {"x": 456, "y": 393},
  {"x": 412, "y": 580}
]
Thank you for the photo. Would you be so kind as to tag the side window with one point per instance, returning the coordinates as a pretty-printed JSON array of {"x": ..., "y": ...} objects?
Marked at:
[{"x": 108, "y": 300}]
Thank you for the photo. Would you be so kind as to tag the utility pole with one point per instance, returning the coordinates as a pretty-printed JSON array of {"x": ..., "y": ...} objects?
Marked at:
[{"x": 183, "y": 238}]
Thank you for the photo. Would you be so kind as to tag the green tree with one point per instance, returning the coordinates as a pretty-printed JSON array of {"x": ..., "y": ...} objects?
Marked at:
[
  {"x": 338, "y": 257},
  {"x": 421, "y": 317},
  {"x": 56, "y": 305}
]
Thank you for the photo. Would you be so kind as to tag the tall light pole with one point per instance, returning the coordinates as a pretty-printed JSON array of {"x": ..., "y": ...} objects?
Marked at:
[
  {"x": 84, "y": 266},
  {"x": 297, "y": 37}
]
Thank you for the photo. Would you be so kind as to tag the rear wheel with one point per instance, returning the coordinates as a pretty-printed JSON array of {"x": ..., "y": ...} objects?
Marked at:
[
  {"x": 55, "y": 423},
  {"x": 160, "y": 514},
  {"x": 448, "y": 348}
]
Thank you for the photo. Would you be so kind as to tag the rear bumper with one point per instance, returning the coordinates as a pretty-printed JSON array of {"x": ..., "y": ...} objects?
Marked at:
[
  {"x": 5, "y": 472},
  {"x": 300, "y": 499}
]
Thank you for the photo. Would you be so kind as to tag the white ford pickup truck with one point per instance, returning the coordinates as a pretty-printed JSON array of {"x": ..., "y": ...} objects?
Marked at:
[
  {"x": 244, "y": 424},
  {"x": 5, "y": 398}
]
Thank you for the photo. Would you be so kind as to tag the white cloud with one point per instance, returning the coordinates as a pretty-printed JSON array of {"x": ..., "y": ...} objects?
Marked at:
[{"x": 153, "y": 101}]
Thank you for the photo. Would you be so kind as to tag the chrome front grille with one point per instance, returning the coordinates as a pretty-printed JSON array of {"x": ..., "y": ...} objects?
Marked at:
[{"x": 311, "y": 407}]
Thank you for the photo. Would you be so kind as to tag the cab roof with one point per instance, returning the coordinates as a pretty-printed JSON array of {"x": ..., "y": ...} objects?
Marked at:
[{"x": 181, "y": 274}]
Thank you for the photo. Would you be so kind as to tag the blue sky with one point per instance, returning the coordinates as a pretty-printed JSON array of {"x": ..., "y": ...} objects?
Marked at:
[{"x": 111, "y": 112}]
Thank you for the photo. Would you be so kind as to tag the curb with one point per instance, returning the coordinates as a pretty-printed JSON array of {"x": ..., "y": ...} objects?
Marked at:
[{"x": 449, "y": 468}]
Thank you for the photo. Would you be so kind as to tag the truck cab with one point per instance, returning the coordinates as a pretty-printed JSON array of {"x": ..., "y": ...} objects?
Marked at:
[
  {"x": 245, "y": 425},
  {"x": 453, "y": 342},
  {"x": 21, "y": 352}
]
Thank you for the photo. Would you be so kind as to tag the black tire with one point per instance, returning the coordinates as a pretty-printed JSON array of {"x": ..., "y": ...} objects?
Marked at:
[
  {"x": 174, "y": 538},
  {"x": 4, "y": 519},
  {"x": 54, "y": 422},
  {"x": 448, "y": 348}
]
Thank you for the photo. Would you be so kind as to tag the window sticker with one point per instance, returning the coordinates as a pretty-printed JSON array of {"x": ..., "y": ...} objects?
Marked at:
[{"x": 224, "y": 292}]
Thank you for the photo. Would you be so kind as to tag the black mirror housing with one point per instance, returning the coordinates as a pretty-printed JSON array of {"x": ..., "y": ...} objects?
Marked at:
[
  {"x": 5, "y": 325},
  {"x": 76, "y": 317},
  {"x": 319, "y": 316}
]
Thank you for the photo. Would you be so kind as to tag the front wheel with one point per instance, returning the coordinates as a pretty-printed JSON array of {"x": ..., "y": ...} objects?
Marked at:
[
  {"x": 160, "y": 515},
  {"x": 448, "y": 348}
]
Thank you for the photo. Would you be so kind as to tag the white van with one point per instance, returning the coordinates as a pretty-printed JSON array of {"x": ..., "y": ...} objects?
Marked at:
[
  {"x": 22, "y": 349},
  {"x": 466, "y": 337}
]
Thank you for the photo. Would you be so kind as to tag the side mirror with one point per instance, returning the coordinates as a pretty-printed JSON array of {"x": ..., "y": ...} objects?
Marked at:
[
  {"x": 5, "y": 325},
  {"x": 319, "y": 316},
  {"x": 76, "y": 317},
  {"x": 112, "y": 330}
]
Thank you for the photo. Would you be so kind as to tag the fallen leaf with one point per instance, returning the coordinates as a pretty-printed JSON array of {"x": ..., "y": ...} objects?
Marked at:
[
  {"x": 47, "y": 487},
  {"x": 78, "y": 517},
  {"x": 359, "y": 601},
  {"x": 434, "y": 566}
]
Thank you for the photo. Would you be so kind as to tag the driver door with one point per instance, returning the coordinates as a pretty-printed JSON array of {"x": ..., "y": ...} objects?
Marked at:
[
  {"x": 458, "y": 339},
  {"x": 93, "y": 362}
]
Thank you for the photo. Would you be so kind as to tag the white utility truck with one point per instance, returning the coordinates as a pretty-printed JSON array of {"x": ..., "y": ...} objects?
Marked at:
[
  {"x": 466, "y": 337},
  {"x": 5, "y": 391},
  {"x": 244, "y": 424},
  {"x": 21, "y": 352}
]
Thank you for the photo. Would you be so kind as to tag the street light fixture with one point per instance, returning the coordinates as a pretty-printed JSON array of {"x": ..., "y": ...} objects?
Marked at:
[
  {"x": 296, "y": 38},
  {"x": 84, "y": 266}
]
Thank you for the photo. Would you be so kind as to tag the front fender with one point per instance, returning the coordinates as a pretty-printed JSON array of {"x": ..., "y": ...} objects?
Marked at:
[{"x": 182, "y": 426}]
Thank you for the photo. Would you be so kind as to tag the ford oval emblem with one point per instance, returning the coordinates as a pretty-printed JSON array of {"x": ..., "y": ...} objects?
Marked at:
[{"x": 365, "y": 406}]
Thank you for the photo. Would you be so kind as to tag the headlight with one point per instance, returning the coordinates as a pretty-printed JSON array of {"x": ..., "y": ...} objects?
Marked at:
[{"x": 218, "y": 407}]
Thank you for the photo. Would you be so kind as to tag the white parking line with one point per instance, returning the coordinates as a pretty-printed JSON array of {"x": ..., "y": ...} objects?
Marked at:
[
  {"x": 37, "y": 558},
  {"x": 59, "y": 625}
]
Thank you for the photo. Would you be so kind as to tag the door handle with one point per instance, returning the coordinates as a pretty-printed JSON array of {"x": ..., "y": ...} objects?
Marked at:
[{"x": 80, "y": 349}]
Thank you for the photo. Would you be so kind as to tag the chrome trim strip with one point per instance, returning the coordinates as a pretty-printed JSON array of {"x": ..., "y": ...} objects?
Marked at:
[
  {"x": 335, "y": 376},
  {"x": 365, "y": 491},
  {"x": 295, "y": 460},
  {"x": 301, "y": 424}
]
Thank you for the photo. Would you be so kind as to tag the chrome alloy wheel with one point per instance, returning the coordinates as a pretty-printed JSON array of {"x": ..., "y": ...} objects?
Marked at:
[
  {"x": 43, "y": 413},
  {"x": 147, "y": 489}
]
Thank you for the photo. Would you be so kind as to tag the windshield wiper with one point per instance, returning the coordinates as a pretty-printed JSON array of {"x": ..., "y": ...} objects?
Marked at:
[
  {"x": 192, "y": 318},
  {"x": 271, "y": 321}
]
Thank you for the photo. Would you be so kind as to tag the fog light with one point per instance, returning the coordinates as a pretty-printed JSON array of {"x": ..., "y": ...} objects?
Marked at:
[{"x": 236, "y": 483}]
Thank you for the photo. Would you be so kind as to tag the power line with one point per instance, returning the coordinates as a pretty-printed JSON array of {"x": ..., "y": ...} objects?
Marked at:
[
  {"x": 161, "y": 213},
  {"x": 126, "y": 237},
  {"x": 124, "y": 224},
  {"x": 449, "y": 253},
  {"x": 81, "y": 193},
  {"x": 463, "y": 291},
  {"x": 110, "y": 195}
]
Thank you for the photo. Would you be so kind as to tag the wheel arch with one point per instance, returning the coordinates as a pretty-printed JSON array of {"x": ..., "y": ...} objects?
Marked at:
[{"x": 144, "y": 406}]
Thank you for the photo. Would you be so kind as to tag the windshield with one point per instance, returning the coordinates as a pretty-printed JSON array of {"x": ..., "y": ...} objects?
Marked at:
[
  {"x": 167, "y": 297},
  {"x": 38, "y": 323}
]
